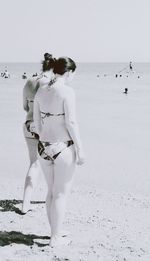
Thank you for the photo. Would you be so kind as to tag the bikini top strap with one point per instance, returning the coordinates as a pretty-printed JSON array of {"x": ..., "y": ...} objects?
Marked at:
[{"x": 48, "y": 114}]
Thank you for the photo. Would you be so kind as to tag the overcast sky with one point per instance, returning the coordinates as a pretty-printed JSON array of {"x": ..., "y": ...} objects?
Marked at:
[{"x": 86, "y": 30}]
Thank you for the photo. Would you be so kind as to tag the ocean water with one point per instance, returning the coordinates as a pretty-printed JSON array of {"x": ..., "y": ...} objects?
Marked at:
[
  {"x": 110, "y": 69},
  {"x": 114, "y": 127},
  {"x": 88, "y": 75}
]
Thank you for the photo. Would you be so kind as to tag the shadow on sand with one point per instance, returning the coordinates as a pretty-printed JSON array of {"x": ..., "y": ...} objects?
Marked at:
[
  {"x": 7, "y": 238},
  {"x": 9, "y": 205}
]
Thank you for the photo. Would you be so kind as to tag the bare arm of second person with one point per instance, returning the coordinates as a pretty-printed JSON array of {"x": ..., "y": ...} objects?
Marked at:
[
  {"x": 25, "y": 101},
  {"x": 37, "y": 116}
]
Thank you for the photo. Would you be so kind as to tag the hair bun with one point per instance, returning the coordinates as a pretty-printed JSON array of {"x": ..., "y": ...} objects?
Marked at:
[
  {"x": 47, "y": 56},
  {"x": 64, "y": 64},
  {"x": 48, "y": 62}
]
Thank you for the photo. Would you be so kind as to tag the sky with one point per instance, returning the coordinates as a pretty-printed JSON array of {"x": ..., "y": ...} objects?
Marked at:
[{"x": 85, "y": 30}]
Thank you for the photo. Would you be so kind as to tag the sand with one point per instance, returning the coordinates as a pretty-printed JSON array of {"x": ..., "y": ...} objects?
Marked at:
[{"x": 109, "y": 206}]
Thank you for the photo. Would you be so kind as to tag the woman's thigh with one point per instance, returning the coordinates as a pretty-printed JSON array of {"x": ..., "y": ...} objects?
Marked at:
[
  {"x": 32, "y": 145},
  {"x": 47, "y": 168},
  {"x": 64, "y": 168}
]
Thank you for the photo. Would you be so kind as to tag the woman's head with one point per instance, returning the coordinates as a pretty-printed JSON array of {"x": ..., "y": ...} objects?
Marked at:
[
  {"x": 63, "y": 65},
  {"x": 48, "y": 62}
]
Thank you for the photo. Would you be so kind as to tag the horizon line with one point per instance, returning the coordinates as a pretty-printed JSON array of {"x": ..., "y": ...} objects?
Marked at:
[{"x": 77, "y": 62}]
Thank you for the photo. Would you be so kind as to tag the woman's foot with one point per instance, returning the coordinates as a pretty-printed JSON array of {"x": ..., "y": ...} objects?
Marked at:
[
  {"x": 25, "y": 209},
  {"x": 23, "y": 212},
  {"x": 64, "y": 233},
  {"x": 58, "y": 240}
]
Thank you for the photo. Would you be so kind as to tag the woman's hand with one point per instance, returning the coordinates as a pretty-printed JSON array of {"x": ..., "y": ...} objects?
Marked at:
[
  {"x": 33, "y": 131},
  {"x": 80, "y": 157},
  {"x": 32, "y": 127}
]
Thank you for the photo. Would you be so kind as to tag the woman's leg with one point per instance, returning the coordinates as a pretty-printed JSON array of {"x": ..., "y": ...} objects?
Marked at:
[
  {"x": 30, "y": 183},
  {"x": 47, "y": 168},
  {"x": 32, "y": 174},
  {"x": 32, "y": 145},
  {"x": 63, "y": 176}
]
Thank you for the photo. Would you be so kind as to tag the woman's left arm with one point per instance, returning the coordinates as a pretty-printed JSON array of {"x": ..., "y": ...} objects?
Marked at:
[
  {"x": 37, "y": 115},
  {"x": 25, "y": 101}
]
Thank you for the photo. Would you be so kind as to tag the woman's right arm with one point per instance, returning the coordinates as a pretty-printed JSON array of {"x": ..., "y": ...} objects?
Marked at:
[{"x": 72, "y": 125}]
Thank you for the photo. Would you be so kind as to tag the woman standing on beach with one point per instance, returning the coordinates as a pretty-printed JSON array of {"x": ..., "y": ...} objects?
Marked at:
[
  {"x": 59, "y": 146},
  {"x": 31, "y": 136}
]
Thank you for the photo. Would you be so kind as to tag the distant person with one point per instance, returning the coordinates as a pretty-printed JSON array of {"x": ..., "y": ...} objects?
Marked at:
[
  {"x": 31, "y": 137},
  {"x": 6, "y": 74},
  {"x": 35, "y": 75},
  {"x": 125, "y": 90},
  {"x": 130, "y": 65},
  {"x": 24, "y": 76}
]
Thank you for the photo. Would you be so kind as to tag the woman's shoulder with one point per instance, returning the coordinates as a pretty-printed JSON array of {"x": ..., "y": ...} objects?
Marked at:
[
  {"x": 68, "y": 91},
  {"x": 43, "y": 81}
]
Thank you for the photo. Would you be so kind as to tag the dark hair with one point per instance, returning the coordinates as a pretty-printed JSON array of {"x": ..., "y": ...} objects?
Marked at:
[
  {"x": 48, "y": 62},
  {"x": 64, "y": 64},
  {"x": 47, "y": 56}
]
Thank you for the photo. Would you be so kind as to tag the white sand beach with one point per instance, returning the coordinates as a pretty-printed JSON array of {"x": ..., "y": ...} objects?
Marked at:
[{"x": 109, "y": 207}]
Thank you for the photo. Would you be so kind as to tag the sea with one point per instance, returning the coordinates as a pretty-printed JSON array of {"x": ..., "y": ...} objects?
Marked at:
[
  {"x": 114, "y": 127},
  {"x": 17, "y": 69}
]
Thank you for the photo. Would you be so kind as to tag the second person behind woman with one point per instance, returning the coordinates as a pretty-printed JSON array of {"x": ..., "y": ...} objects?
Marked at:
[{"x": 29, "y": 91}]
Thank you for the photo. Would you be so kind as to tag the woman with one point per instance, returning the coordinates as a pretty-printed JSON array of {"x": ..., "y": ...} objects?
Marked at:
[
  {"x": 31, "y": 137},
  {"x": 59, "y": 146}
]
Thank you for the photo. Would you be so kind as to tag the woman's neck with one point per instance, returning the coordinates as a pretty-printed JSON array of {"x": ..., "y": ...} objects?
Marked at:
[
  {"x": 60, "y": 80},
  {"x": 56, "y": 81}
]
